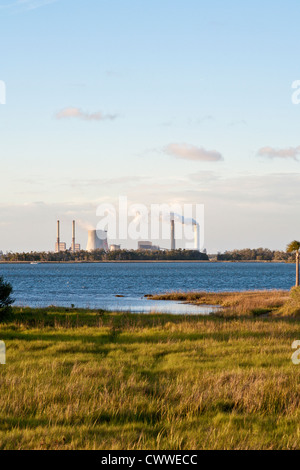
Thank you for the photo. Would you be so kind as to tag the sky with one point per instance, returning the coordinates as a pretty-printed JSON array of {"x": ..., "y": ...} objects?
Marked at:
[{"x": 168, "y": 101}]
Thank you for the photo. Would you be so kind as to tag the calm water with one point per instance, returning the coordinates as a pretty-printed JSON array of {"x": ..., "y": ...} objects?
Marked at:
[{"x": 96, "y": 285}]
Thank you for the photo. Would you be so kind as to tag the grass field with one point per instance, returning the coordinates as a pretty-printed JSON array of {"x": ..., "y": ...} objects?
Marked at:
[{"x": 91, "y": 380}]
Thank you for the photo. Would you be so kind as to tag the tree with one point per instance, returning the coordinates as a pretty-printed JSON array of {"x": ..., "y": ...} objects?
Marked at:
[
  {"x": 294, "y": 247},
  {"x": 5, "y": 294}
]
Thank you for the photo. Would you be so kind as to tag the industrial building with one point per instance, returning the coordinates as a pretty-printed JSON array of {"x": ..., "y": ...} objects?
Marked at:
[
  {"x": 62, "y": 246},
  {"x": 73, "y": 247},
  {"x": 97, "y": 240},
  {"x": 196, "y": 235},
  {"x": 147, "y": 246},
  {"x": 115, "y": 248},
  {"x": 173, "y": 243},
  {"x": 59, "y": 246}
]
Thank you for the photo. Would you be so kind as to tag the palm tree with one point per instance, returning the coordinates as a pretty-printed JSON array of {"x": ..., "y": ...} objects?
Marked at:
[{"x": 291, "y": 248}]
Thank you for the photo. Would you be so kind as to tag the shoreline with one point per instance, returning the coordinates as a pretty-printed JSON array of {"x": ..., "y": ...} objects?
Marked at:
[
  {"x": 253, "y": 303},
  {"x": 149, "y": 262}
]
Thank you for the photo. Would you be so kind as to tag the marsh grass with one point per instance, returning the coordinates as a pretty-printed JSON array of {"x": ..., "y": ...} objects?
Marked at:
[
  {"x": 234, "y": 303},
  {"x": 84, "y": 380},
  {"x": 291, "y": 307}
]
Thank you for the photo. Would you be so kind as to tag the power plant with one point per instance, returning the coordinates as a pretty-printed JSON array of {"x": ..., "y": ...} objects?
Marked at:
[
  {"x": 196, "y": 237},
  {"x": 115, "y": 248},
  {"x": 95, "y": 242},
  {"x": 147, "y": 246},
  {"x": 173, "y": 243},
  {"x": 196, "y": 234},
  {"x": 57, "y": 246},
  {"x": 73, "y": 247},
  {"x": 62, "y": 246}
]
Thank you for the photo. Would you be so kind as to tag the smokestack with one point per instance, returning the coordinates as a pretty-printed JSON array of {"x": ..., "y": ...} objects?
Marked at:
[
  {"x": 196, "y": 237},
  {"x": 173, "y": 244},
  {"x": 58, "y": 238},
  {"x": 73, "y": 237}
]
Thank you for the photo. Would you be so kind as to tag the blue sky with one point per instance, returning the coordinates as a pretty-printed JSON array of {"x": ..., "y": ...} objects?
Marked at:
[{"x": 124, "y": 97}]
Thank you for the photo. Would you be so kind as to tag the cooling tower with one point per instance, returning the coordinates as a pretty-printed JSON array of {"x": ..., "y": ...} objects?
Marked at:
[
  {"x": 173, "y": 245},
  {"x": 96, "y": 242}
]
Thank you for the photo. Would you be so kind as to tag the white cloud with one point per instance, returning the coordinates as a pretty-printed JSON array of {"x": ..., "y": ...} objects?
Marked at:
[
  {"x": 191, "y": 152},
  {"x": 68, "y": 113},
  {"x": 270, "y": 152},
  {"x": 122, "y": 180}
]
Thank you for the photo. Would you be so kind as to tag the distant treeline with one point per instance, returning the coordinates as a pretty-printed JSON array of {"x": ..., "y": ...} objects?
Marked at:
[
  {"x": 101, "y": 255},
  {"x": 259, "y": 254}
]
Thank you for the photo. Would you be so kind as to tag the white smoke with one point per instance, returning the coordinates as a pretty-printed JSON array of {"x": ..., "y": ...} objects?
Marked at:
[
  {"x": 85, "y": 225},
  {"x": 182, "y": 220}
]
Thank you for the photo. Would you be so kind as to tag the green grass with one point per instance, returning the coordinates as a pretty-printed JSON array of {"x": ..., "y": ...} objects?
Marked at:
[{"x": 90, "y": 380}]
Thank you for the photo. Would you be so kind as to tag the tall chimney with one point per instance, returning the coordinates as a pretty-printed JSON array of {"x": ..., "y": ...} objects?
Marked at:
[
  {"x": 196, "y": 237},
  {"x": 173, "y": 245},
  {"x": 73, "y": 237},
  {"x": 58, "y": 238}
]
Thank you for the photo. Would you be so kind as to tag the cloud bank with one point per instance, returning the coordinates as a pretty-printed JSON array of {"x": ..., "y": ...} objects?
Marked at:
[
  {"x": 270, "y": 152},
  {"x": 76, "y": 113},
  {"x": 191, "y": 152}
]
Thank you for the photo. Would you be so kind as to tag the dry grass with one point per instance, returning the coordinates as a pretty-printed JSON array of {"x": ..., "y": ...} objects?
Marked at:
[
  {"x": 291, "y": 307},
  {"x": 234, "y": 303},
  {"x": 148, "y": 382}
]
